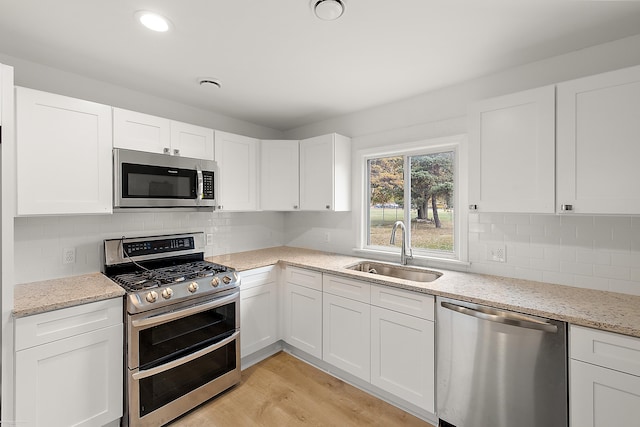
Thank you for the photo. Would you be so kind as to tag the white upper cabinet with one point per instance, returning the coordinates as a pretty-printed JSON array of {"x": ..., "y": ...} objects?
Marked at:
[
  {"x": 325, "y": 173},
  {"x": 279, "y": 175},
  {"x": 512, "y": 153},
  {"x": 144, "y": 132},
  {"x": 191, "y": 141},
  {"x": 237, "y": 158},
  {"x": 63, "y": 155},
  {"x": 598, "y": 143}
]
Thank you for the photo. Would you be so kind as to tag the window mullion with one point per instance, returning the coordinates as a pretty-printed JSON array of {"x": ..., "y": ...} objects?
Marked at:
[{"x": 407, "y": 197}]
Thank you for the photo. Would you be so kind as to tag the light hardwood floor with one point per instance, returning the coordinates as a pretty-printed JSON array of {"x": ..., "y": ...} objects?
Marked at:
[{"x": 284, "y": 391}]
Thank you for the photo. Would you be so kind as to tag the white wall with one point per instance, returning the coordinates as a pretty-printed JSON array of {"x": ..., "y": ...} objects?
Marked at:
[
  {"x": 585, "y": 251},
  {"x": 39, "y": 241},
  {"x": 41, "y": 77}
]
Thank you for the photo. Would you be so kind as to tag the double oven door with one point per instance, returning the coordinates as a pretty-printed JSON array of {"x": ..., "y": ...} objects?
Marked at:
[{"x": 180, "y": 356}]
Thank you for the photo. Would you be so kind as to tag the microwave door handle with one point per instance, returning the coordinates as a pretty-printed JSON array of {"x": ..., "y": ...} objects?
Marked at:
[{"x": 200, "y": 189}]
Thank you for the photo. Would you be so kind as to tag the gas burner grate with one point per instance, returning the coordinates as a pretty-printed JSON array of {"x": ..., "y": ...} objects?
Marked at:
[{"x": 140, "y": 280}]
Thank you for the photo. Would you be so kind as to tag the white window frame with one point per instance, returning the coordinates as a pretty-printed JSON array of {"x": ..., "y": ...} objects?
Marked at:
[{"x": 457, "y": 144}]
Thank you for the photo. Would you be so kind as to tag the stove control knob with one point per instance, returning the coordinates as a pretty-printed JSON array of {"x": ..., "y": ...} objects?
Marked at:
[
  {"x": 226, "y": 280},
  {"x": 215, "y": 282},
  {"x": 166, "y": 293},
  {"x": 193, "y": 286},
  {"x": 152, "y": 296}
]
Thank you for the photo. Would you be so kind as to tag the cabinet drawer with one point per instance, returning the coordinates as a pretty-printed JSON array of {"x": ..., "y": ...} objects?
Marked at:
[
  {"x": 258, "y": 276},
  {"x": 303, "y": 277},
  {"x": 407, "y": 302},
  {"x": 55, "y": 325},
  {"x": 614, "y": 351},
  {"x": 348, "y": 288}
]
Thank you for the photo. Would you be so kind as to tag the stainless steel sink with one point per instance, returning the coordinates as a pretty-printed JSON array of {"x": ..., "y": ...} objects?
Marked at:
[{"x": 399, "y": 271}]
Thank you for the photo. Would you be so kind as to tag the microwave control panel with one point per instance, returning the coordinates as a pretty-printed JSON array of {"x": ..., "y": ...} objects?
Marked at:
[{"x": 207, "y": 178}]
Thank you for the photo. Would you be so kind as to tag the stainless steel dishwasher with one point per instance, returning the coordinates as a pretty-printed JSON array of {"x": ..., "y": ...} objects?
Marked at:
[{"x": 497, "y": 368}]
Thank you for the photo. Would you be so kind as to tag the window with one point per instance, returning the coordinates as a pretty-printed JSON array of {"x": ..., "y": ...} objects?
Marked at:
[{"x": 418, "y": 186}]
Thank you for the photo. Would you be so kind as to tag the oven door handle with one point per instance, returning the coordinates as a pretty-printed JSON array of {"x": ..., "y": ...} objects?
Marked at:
[
  {"x": 167, "y": 366},
  {"x": 162, "y": 318}
]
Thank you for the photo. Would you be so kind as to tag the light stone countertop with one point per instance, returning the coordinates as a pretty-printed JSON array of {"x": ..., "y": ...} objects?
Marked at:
[
  {"x": 49, "y": 295},
  {"x": 608, "y": 311}
]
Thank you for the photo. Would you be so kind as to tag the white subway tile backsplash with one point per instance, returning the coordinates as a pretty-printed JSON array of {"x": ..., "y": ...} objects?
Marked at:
[
  {"x": 622, "y": 259},
  {"x": 596, "y": 252},
  {"x": 490, "y": 218},
  {"x": 545, "y": 264},
  {"x": 517, "y": 219},
  {"x": 544, "y": 240},
  {"x": 576, "y": 268},
  {"x": 558, "y": 278},
  {"x": 532, "y": 230},
  {"x": 527, "y": 274},
  {"x": 546, "y": 220},
  {"x": 611, "y": 272},
  {"x": 479, "y": 228},
  {"x": 591, "y": 282},
  {"x": 624, "y": 286},
  {"x": 42, "y": 239}
]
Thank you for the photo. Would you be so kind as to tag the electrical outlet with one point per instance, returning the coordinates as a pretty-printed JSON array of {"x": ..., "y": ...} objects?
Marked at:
[
  {"x": 68, "y": 255},
  {"x": 497, "y": 253},
  {"x": 326, "y": 237},
  {"x": 209, "y": 239}
]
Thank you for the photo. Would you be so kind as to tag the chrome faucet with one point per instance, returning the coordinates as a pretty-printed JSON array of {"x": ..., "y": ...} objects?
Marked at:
[{"x": 403, "y": 252}]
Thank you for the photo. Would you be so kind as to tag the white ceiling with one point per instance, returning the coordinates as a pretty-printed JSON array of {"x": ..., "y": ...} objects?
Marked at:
[{"x": 281, "y": 67}]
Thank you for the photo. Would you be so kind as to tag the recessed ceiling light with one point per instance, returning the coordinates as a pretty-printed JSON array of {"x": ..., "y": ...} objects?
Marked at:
[
  {"x": 153, "y": 21},
  {"x": 328, "y": 10}
]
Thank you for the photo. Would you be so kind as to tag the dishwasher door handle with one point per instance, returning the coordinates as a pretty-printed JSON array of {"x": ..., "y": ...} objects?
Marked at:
[{"x": 504, "y": 317}]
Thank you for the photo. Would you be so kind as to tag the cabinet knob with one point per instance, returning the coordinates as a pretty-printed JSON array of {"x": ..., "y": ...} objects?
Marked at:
[
  {"x": 166, "y": 150},
  {"x": 295, "y": 206},
  {"x": 328, "y": 206},
  {"x": 219, "y": 207},
  {"x": 176, "y": 152},
  {"x": 566, "y": 208},
  {"x": 473, "y": 207}
]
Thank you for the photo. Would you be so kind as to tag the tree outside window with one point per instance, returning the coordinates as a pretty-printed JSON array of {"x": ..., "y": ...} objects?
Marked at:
[{"x": 430, "y": 187}]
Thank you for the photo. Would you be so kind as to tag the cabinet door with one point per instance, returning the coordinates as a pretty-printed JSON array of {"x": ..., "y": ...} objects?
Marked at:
[
  {"x": 512, "y": 152},
  {"x": 191, "y": 141},
  {"x": 347, "y": 335},
  {"x": 279, "y": 183},
  {"x": 303, "y": 318},
  {"x": 237, "y": 158},
  {"x": 75, "y": 381},
  {"x": 598, "y": 150},
  {"x": 258, "y": 317},
  {"x": 325, "y": 173},
  {"x": 601, "y": 397},
  {"x": 63, "y": 155},
  {"x": 142, "y": 132},
  {"x": 316, "y": 173},
  {"x": 402, "y": 356}
]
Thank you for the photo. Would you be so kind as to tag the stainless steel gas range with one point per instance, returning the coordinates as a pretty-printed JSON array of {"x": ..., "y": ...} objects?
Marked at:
[{"x": 183, "y": 324}]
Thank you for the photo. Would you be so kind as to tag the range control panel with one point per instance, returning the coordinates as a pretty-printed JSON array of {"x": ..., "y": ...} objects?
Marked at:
[{"x": 150, "y": 247}]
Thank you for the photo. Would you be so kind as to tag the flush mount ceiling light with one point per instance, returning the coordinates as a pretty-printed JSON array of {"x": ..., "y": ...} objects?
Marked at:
[
  {"x": 328, "y": 10},
  {"x": 153, "y": 21},
  {"x": 209, "y": 82}
]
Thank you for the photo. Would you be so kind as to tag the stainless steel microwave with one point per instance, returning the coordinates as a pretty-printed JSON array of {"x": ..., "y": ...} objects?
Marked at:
[{"x": 151, "y": 180}]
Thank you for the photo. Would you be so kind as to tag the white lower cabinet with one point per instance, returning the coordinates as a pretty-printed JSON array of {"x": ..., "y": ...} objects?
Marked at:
[
  {"x": 303, "y": 310},
  {"x": 604, "y": 379},
  {"x": 347, "y": 335},
  {"x": 69, "y": 366},
  {"x": 258, "y": 309},
  {"x": 403, "y": 356}
]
